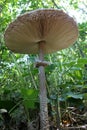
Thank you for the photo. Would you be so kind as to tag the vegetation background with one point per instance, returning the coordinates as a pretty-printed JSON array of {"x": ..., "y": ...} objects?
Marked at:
[{"x": 66, "y": 77}]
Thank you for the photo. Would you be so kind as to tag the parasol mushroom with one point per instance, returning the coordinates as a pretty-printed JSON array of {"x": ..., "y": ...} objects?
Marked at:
[{"x": 41, "y": 31}]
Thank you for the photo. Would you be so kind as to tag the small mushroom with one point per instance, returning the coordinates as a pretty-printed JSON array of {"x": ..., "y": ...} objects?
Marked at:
[{"x": 41, "y": 31}]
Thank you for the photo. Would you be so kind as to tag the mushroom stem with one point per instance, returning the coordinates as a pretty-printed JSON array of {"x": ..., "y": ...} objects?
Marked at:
[{"x": 43, "y": 93}]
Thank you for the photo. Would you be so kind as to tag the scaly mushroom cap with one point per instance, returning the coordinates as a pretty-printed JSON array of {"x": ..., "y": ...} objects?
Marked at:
[{"x": 57, "y": 29}]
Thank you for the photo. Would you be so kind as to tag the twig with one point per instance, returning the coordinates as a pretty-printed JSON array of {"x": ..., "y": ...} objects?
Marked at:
[
  {"x": 55, "y": 4},
  {"x": 84, "y": 127}
]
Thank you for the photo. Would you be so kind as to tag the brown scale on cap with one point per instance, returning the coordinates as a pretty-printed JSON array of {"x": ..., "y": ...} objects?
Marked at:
[{"x": 55, "y": 27}]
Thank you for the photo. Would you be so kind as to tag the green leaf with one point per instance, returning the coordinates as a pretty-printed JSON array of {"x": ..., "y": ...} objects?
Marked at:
[
  {"x": 82, "y": 61},
  {"x": 30, "y": 97},
  {"x": 76, "y": 96},
  {"x": 85, "y": 96},
  {"x": 69, "y": 64},
  {"x": 50, "y": 68}
]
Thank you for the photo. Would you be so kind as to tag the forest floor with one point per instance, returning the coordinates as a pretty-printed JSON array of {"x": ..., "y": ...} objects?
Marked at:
[
  {"x": 74, "y": 119},
  {"x": 71, "y": 119}
]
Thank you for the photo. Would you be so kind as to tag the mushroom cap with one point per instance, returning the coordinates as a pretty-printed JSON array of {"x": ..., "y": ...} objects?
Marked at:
[{"x": 56, "y": 28}]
